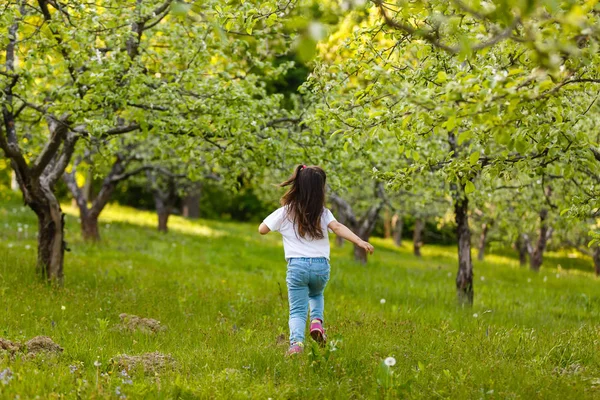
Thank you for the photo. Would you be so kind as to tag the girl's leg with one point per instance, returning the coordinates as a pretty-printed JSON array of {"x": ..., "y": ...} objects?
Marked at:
[
  {"x": 298, "y": 298},
  {"x": 317, "y": 304},
  {"x": 318, "y": 281}
]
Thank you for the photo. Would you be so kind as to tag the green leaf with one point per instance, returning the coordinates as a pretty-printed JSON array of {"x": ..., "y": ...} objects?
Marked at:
[
  {"x": 464, "y": 136},
  {"x": 521, "y": 146},
  {"x": 180, "y": 9},
  {"x": 441, "y": 77},
  {"x": 469, "y": 187},
  {"x": 474, "y": 158}
]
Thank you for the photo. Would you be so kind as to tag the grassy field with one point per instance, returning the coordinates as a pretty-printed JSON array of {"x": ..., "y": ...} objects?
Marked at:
[{"x": 219, "y": 288}]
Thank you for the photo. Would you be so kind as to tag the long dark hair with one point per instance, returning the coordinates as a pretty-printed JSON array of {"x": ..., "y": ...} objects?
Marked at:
[{"x": 305, "y": 200}]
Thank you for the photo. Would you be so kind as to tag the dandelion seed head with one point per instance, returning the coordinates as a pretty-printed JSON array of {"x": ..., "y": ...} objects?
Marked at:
[
  {"x": 382, "y": 301},
  {"x": 475, "y": 315},
  {"x": 6, "y": 376},
  {"x": 390, "y": 361}
]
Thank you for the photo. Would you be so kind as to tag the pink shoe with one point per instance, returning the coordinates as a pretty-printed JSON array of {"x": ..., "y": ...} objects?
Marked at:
[
  {"x": 296, "y": 348},
  {"x": 317, "y": 332}
]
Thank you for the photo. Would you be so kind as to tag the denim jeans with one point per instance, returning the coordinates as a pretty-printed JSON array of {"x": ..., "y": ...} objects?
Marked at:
[{"x": 306, "y": 279}]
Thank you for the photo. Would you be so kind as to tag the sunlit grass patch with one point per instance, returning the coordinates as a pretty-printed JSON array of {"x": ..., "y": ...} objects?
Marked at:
[{"x": 114, "y": 213}]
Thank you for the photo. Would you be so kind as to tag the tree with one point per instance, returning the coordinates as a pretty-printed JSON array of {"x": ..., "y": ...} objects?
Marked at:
[
  {"x": 123, "y": 167},
  {"x": 117, "y": 84},
  {"x": 363, "y": 225}
]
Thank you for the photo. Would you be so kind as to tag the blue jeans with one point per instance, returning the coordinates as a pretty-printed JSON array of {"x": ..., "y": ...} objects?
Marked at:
[{"x": 306, "y": 279}]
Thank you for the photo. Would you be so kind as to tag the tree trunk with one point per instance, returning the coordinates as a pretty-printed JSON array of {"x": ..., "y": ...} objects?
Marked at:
[
  {"x": 163, "y": 219},
  {"x": 464, "y": 278},
  {"x": 360, "y": 254},
  {"x": 387, "y": 224},
  {"x": 191, "y": 206},
  {"x": 537, "y": 256},
  {"x": 51, "y": 244},
  {"x": 521, "y": 246},
  {"x": 418, "y": 237},
  {"x": 596, "y": 257},
  {"x": 89, "y": 227},
  {"x": 397, "y": 224},
  {"x": 482, "y": 240}
]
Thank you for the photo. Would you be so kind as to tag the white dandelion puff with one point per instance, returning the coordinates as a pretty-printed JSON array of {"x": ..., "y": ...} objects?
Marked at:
[
  {"x": 382, "y": 301},
  {"x": 6, "y": 376},
  {"x": 475, "y": 315},
  {"x": 390, "y": 361}
]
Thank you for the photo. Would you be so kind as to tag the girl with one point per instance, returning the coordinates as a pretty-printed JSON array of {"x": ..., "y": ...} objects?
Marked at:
[{"x": 303, "y": 221}]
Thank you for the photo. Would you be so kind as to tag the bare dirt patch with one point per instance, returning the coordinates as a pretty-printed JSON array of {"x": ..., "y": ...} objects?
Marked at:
[{"x": 150, "y": 362}]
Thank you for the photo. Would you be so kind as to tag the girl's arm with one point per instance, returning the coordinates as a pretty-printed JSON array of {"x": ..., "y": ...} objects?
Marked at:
[
  {"x": 263, "y": 229},
  {"x": 343, "y": 231}
]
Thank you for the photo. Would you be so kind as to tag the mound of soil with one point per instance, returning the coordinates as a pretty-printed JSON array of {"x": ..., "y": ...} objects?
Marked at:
[
  {"x": 38, "y": 344},
  {"x": 11, "y": 347},
  {"x": 41, "y": 344},
  {"x": 133, "y": 323}
]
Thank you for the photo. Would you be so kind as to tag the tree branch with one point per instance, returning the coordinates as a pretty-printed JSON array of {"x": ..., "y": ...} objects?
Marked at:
[
  {"x": 58, "y": 131},
  {"x": 63, "y": 160}
]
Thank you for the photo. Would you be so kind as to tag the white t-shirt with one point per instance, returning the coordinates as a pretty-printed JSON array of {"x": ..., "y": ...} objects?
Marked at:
[{"x": 293, "y": 244}]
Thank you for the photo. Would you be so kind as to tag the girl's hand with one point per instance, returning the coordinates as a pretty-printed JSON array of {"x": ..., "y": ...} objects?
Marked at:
[{"x": 366, "y": 246}]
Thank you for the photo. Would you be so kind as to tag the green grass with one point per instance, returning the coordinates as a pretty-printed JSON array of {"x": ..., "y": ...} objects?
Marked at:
[{"x": 220, "y": 290}]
